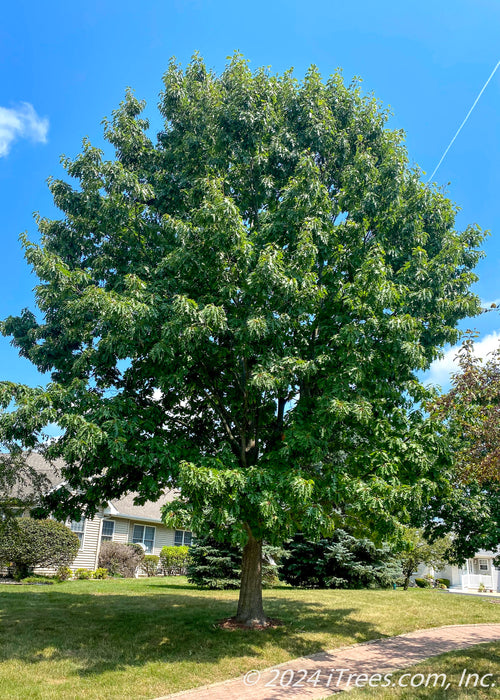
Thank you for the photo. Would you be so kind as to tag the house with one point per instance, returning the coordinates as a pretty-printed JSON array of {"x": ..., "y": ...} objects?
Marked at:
[
  {"x": 119, "y": 520},
  {"x": 477, "y": 573}
]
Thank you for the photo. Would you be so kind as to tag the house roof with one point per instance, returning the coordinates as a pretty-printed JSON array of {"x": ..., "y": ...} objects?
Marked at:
[
  {"x": 482, "y": 553},
  {"x": 149, "y": 511},
  {"x": 119, "y": 507}
]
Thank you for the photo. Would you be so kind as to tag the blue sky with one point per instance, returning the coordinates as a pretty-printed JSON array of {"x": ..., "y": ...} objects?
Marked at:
[{"x": 65, "y": 66}]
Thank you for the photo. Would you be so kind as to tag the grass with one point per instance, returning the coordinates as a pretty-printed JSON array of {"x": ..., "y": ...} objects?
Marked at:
[
  {"x": 481, "y": 660},
  {"x": 143, "y": 638}
]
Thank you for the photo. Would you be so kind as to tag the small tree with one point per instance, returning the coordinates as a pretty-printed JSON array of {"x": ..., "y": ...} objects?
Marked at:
[
  {"x": 342, "y": 561},
  {"x": 28, "y": 543},
  {"x": 421, "y": 551},
  {"x": 213, "y": 564}
]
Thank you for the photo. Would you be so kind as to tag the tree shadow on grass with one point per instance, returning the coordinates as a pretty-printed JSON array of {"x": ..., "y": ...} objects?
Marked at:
[{"x": 103, "y": 632}]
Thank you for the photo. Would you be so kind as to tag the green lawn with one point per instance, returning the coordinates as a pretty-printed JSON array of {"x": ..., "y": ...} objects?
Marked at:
[
  {"x": 482, "y": 660},
  {"x": 121, "y": 639}
]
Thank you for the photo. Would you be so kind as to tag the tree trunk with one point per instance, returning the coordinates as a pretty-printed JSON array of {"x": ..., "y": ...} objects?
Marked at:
[
  {"x": 250, "y": 608},
  {"x": 406, "y": 583}
]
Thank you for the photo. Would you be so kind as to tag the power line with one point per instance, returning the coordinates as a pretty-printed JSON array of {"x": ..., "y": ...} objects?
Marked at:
[{"x": 464, "y": 121}]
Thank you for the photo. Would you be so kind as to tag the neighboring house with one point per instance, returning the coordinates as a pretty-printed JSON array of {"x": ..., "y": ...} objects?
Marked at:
[
  {"x": 469, "y": 577},
  {"x": 117, "y": 521}
]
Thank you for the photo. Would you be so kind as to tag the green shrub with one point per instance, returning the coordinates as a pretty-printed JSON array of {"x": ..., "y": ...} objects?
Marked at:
[
  {"x": 120, "y": 559},
  {"x": 217, "y": 565},
  {"x": 45, "y": 580},
  {"x": 174, "y": 560},
  {"x": 341, "y": 561},
  {"x": 212, "y": 564},
  {"x": 83, "y": 574},
  {"x": 150, "y": 564},
  {"x": 100, "y": 573},
  {"x": 63, "y": 573},
  {"x": 28, "y": 543},
  {"x": 423, "y": 582},
  {"x": 444, "y": 581}
]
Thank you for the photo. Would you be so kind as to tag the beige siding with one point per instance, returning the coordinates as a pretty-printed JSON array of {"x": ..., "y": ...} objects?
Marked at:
[
  {"x": 163, "y": 535},
  {"x": 122, "y": 530},
  {"x": 88, "y": 554},
  {"x": 164, "y": 538}
]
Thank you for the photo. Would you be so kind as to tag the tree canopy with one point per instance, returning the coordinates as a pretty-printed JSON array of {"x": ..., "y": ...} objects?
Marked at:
[
  {"x": 239, "y": 309},
  {"x": 471, "y": 409},
  {"x": 469, "y": 507}
]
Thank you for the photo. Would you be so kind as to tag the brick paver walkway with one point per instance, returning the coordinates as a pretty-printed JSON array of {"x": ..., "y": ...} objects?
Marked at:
[{"x": 320, "y": 675}]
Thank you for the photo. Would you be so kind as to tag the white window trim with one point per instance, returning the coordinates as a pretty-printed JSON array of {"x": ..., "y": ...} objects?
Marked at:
[{"x": 144, "y": 526}]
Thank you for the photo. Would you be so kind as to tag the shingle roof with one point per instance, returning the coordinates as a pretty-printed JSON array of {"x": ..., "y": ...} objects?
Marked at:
[
  {"x": 123, "y": 506},
  {"x": 150, "y": 510}
]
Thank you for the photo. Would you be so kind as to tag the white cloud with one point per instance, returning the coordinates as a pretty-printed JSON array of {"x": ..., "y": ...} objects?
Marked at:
[
  {"x": 21, "y": 122},
  {"x": 441, "y": 370}
]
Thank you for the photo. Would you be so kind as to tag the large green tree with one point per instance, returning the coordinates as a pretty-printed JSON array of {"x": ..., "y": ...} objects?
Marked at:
[{"x": 239, "y": 310}]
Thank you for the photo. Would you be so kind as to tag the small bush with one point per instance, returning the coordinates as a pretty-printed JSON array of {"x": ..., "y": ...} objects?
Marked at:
[
  {"x": 44, "y": 580},
  {"x": 174, "y": 560},
  {"x": 100, "y": 573},
  {"x": 423, "y": 582},
  {"x": 150, "y": 564},
  {"x": 63, "y": 573},
  {"x": 83, "y": 574},
  {"x": 444, "y": 581},
  {"x": 120, "y": 559}
]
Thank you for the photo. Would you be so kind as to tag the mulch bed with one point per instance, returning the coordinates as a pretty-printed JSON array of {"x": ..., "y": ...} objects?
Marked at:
[{"x": 230, "y": 623}]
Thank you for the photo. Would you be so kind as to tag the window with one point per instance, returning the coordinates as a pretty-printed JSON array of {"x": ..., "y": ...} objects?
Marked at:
[
  {"x": 483, "y": 565},
  {"x": 144, "y": 535},
  {"x": 78, "y": 527},
  {"x": 183, "y": 537},
  {"x": 108, "y": 530}
]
